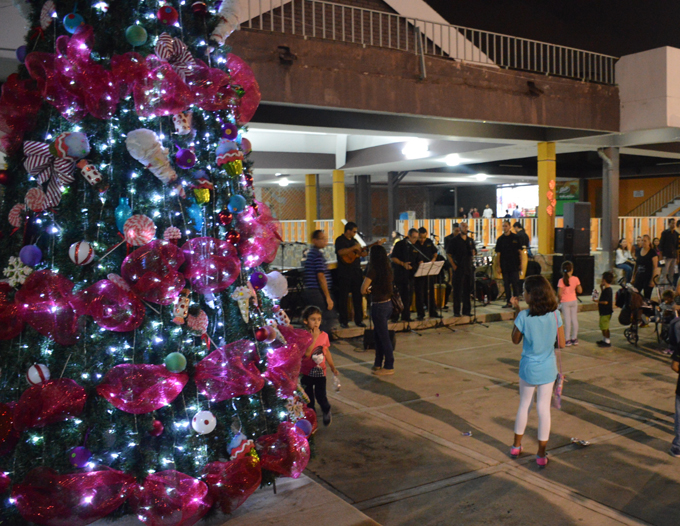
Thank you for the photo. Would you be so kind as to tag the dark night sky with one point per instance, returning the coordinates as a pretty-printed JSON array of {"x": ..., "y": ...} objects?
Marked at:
[{"x": 613, "y": 27}]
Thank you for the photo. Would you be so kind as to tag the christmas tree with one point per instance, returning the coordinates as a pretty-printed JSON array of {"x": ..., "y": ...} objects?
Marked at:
[{"x": 146, "y": 367}]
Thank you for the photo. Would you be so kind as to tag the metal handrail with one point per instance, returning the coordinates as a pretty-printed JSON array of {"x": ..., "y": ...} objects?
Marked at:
[
  {"x": 368, "y": 27},
  {"x": 657, "y": 201}
]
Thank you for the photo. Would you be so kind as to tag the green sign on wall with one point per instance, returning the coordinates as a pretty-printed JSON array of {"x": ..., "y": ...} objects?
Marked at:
[{"x": 565, "y": 191}]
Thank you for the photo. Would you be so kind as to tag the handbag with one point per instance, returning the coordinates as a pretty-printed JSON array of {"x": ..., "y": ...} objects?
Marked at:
[
  {"x": 397, "y": 304},
  {"x": 559, "y": 382}
]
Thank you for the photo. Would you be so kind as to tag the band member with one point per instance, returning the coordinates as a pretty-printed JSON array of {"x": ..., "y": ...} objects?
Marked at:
[
  {"x": 349, "y": 277},
  {"x": 462, "y": 249},
  {"x": 518, "y": 229},
  {"x": 424, "y": 285},
  {"x": 404, "y": 258},
  {"x": 318, "y": 283},
  {"x": 508, "y": 247}
]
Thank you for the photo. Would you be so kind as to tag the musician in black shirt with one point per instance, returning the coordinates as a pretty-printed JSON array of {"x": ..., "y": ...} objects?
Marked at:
[
  {"x": 404, "y": 257},
  {"x": 424, "y": 285},
  {"x": 508, "y": 247},
  {"x": 461, "y": 250},
  {"x": 349, "y": 276}
]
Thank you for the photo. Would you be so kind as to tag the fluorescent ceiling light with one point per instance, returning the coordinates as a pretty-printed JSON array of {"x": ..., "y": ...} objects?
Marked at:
[
  {"x": 481, "y": 177},
  {"x": 284, "y": 181},
  {"x": 416, "y": 149},
  {"x": 452, "y": 159}
]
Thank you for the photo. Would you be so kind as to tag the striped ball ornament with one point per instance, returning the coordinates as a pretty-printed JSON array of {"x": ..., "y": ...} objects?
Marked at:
[
  {"x": 37, "y": 374},
  {"x": 81, "y": 253}
]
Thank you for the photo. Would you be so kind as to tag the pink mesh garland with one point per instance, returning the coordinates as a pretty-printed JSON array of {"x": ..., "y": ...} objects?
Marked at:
[
  {"x": 75, "y": 499},
  {"x": 231, "y": 483},
  {"x": 160, "y": 91},
  {"x": 111, "y": 306},
  {"x": 49, "y": 403},
  {"x": 170, "y": 498},
  {"x": 242, "y": 75},
  {"x": 45, "y": 303},
  {"x": 20, "y": 102},
  {"x": 212, "y": 264},
  {"x": 142, "y": 388},
  {"x": 283, "y": 363},
  {"x": 229, "y": 371},
  {"x": 286, "y": 452},
  {"x": 151, "y": 270},
  {"x": 10, "y": 323},
  {"x": 260, "y": 236}
]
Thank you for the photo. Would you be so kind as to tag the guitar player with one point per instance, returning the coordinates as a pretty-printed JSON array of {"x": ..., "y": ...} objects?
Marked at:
[{"x": 349, "y": 276}]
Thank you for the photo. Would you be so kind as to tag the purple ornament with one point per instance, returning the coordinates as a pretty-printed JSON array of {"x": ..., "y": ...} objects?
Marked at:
[
  {"x": 79, "y": 456},
  {"x": 22, "y": 51},
  {"x": 305, "y": 426},
  {"x": 230, "y": 131},
  {"x": 30, "y": 255},
  {"x": 258, "y": 280},
  {"x": 185, "y": 158}
]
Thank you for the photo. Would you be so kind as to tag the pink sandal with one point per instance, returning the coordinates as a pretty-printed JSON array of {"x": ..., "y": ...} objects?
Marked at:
[
  {"x": 542, "y": 461},
  {"x": 515, "y": 451}
]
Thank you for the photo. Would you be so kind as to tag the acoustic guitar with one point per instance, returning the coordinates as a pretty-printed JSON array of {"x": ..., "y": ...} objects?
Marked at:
[{"x": 357, "y": 249}]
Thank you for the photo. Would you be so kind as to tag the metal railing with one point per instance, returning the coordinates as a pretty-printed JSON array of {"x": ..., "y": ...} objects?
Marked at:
[
  {"x": 658, "y": 201},
  {"x": 368, "y": 27}
]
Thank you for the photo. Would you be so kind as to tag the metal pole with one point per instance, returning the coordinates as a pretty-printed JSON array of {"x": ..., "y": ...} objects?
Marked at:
[{"x": 610, "y": 202}]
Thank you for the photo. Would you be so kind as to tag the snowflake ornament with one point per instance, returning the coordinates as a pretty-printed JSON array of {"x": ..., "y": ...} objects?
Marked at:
[{"x": 16, "y": 272}]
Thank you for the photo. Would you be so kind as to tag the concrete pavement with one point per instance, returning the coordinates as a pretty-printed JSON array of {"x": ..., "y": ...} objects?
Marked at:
[{"x": 396, "y": 449}]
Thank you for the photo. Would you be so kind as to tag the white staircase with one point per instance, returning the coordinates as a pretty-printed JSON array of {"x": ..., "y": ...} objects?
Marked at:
[{"x": 671, "y": 209}]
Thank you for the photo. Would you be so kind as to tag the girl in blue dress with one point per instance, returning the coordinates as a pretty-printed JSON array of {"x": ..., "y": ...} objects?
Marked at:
[{"x": 539, "y": 326}]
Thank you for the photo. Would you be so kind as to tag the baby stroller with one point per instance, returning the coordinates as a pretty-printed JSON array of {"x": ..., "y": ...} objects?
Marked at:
[{"x": 633, "y": 305}]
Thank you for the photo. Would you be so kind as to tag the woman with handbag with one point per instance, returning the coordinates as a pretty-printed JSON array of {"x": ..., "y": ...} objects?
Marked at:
[
  {"x": 539, "y": 325},
  {"x": 378, "y": 283}
]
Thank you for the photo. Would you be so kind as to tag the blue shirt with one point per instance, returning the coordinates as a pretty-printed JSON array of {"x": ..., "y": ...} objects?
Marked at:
[
  {"x": 314, "y": 264},
  {"x": 538, "y": 365}
]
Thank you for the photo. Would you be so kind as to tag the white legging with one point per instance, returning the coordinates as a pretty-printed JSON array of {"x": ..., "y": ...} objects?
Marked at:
[
  {"x": 543, "y": 397},
  {"x": 570, "y": 314}
]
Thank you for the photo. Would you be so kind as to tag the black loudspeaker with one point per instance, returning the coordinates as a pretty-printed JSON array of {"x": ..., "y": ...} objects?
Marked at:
[
  {"x": 584, "y": 269},
  {"x": 576, "y": 215},
  {"x": 369, "y": 339},
  {"x": 572, "y": 242}
]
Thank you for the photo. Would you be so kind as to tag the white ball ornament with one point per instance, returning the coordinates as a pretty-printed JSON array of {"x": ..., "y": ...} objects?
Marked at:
[
  {"x": 81, "y": 253},
  {"x": 204, "y": 422},
  {"x": 37, "y": 374}
]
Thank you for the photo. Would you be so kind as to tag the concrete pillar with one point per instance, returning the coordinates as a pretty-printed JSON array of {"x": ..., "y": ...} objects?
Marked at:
[
  {"x": 362, "y": 199},
  {"x": 546, "y": 183},
  {"x": 310, "y": 204},
  {"x": 610, "y": 202},
  {"x": 338, "y": 202}
]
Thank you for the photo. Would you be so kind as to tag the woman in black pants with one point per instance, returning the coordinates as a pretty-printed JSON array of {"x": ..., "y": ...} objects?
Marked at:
[
  {"x": 378, "y": 283},
  {"x": 645, "y": 268}
]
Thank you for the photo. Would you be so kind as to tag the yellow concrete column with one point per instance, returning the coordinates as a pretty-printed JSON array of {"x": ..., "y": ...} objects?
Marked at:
[
  {"x": 310, "y": 204},
  {"x": 546, "y": 174},
  {"x": 338, "y": 202}
]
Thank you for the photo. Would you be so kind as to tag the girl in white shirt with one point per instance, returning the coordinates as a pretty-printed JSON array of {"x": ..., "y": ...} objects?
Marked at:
[{"x": 624, "y": 259}]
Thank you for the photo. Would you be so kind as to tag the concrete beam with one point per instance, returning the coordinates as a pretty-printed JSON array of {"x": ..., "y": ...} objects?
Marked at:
[{"x": 610, "y": 202}]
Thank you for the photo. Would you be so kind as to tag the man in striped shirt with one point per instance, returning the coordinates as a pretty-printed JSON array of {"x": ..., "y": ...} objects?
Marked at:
[{"x": 317, "y": 279}]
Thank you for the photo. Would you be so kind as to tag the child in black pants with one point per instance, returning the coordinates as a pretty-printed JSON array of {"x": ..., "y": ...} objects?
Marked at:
[{"x": 313, "y": 368}]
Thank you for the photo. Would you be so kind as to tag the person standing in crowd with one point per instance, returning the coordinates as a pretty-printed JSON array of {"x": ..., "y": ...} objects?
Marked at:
[
  {"x": 645, "y": 268},
  {"x": 539, "y": 326},
  {"x": 462, "y": 250},
  {"x": 378, "y": 283},
  {"x": 471, "y": 213},
  {"x": 475, "y": 213},
  {"x": 638, "y": 246},
  {"x": 317, "y": 280},
  {"x": 488, "y": 213},
  {"x": 424, "y": 285},
  {"x": 507, "y": 214},
  {"x": 461, "y": 212},
  {"x": 605, "y": 306},
  {"x": 669, "y": 251},
  {"x": 524, "y": 241},
  {"x": 568, "y": 287},
  {"x": 313, "y": 367},
  {"x": 404, "y": 257},
  {"x": 656, "y": 242},
  {"x": 507, "y": 248},
  {"x": 624, "y": 259},
  {"x": 349, "y": 276}
]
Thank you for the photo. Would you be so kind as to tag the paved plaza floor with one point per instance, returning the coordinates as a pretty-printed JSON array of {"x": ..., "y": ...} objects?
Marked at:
[{"x": 397, "y": 449}]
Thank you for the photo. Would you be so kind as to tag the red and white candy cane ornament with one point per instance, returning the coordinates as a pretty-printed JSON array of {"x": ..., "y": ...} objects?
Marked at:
[
  {"x": 81, "y": 253},
  {"x": 139, "y": 230},
  {"x": 37, "y": 374},
  {"x": 35, "y": 199},
  {"x": 17, "y": 214}
]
